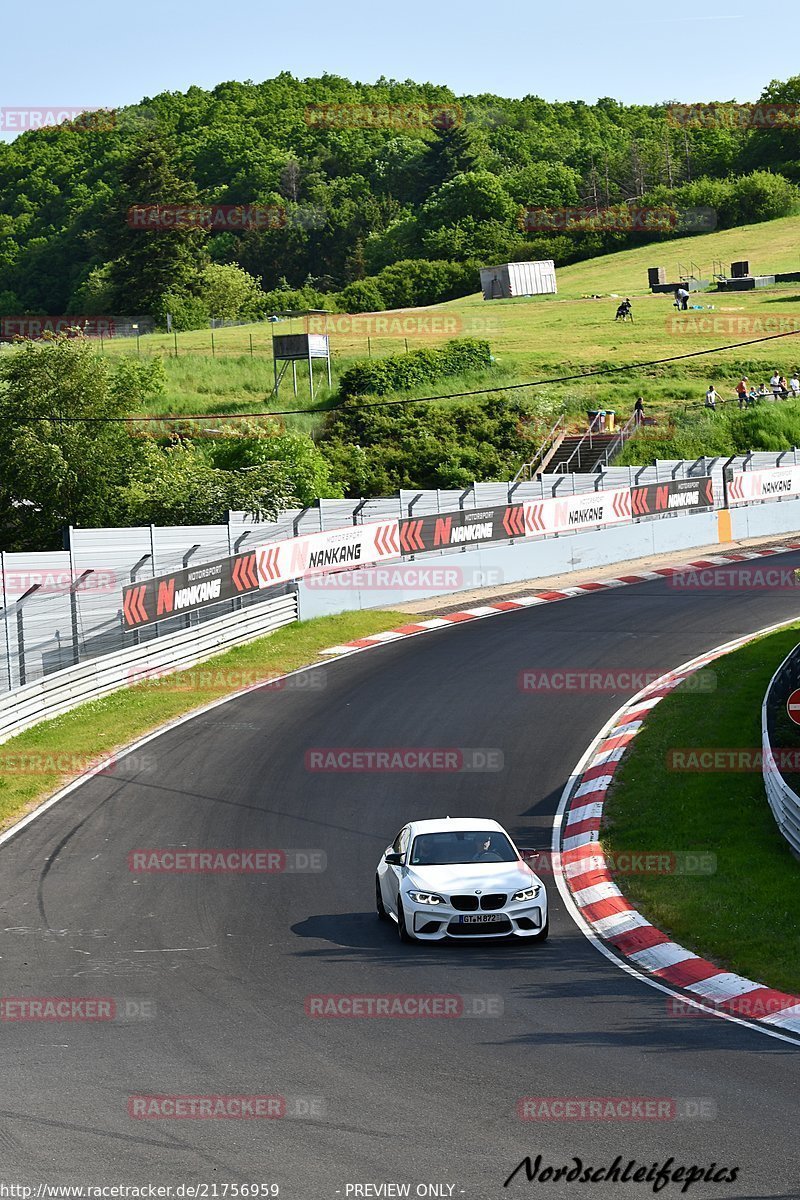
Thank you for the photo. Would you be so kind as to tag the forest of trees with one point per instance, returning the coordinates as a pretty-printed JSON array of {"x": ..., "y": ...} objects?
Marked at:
[{"x": 373, "y": 217}]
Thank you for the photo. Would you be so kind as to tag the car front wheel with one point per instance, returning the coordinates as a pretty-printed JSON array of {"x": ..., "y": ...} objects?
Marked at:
[
  {"x": 379, "y": 905},
  {"x": 402, "y": 929}
]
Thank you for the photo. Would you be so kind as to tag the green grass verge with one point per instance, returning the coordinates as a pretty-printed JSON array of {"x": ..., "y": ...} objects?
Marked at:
[
  {"x": 745, "y": 916},
  {"x": 36, "y": 763}
]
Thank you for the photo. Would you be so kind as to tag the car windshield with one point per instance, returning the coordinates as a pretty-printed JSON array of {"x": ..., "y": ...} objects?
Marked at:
[{"x": 463, "y": 846}]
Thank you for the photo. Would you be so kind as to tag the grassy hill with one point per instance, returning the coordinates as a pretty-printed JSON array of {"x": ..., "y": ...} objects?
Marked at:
[{"x": 535, "y": 337}]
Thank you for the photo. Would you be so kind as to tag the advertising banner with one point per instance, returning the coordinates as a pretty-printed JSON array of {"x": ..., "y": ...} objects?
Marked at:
[
  {"x": 334, "y": 550},
  {"x": 676, "y": 495},
  {"x": 577, "y": 512},
  {"x": 461, "y": 527},
  {"x": 187, "y": 589},
  {"x": 774, "y": 484}
]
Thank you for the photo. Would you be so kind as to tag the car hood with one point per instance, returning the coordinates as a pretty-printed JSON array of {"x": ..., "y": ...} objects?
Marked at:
[{"x": 472, "y": 877}]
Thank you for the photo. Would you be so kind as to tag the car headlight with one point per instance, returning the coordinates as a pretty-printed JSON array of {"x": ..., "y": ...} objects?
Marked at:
[
  {"x": 426, "y": 898},
  {"x": 528, "y": 893}
]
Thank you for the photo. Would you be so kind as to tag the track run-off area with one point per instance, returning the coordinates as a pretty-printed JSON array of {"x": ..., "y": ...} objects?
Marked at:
[{"x": 214, "y": 976}]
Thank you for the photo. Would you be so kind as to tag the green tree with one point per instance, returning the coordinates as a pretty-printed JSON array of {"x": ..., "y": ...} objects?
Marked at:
[
  {"x": 230, "y": 293},
  {"x": 63, "y": 459},
  {"x": 179, "y": 485},
  {"x": 148, "y": 263}
]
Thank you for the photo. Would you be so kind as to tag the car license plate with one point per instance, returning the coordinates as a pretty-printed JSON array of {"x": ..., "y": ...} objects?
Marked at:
[{"x": 482, "y": 918}]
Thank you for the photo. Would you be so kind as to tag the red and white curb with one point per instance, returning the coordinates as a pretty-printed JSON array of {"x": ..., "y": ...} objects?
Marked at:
[
  {"x": 603, "y": 911},
  {"x": 580, "y": 589}
]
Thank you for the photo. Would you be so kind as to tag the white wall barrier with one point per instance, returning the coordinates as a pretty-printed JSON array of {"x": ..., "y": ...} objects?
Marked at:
[
  {"x": 523, "y": 541},
  {"x": 784, "y": 802}
]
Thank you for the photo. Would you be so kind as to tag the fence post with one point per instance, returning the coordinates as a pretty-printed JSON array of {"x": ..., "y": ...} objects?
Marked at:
[
  {"x": 73, "y": 612},
  {"x": 23, "y": 674},
  {"x": 5, "y": 618}
]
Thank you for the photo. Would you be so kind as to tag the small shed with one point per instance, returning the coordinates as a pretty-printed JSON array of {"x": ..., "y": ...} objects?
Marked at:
[{"x": 519, "y": 279}]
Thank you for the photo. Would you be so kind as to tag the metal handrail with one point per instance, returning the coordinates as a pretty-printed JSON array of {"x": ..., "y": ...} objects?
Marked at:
[
  {"x": 547, "y": 444},
  {"x": 563, "y": 466},
  {"x": 624, "y": 435}
]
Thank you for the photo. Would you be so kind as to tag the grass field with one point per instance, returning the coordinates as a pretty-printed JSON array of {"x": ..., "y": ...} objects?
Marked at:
[
  {"x": 746, "y": 915},
  {"x": 36, "y": 763},
  {"x": 536, "y": 337}
]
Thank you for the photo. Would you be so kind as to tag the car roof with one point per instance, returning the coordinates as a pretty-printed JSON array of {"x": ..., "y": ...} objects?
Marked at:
[{"x": 453, "y": 825}]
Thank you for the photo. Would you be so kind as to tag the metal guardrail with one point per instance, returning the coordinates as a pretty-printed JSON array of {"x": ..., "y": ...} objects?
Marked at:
[
  {"x": 784, "y": 802},
  {"x": 65, "y": 689}
]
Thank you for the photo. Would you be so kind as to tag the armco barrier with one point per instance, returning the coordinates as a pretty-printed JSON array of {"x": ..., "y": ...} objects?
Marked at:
[
  {"x": 785, "y": 803},
  {"x": 65, "y": 689}
]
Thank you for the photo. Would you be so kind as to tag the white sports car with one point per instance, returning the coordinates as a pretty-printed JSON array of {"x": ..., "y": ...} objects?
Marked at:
[{"x": 459, "y": 878}]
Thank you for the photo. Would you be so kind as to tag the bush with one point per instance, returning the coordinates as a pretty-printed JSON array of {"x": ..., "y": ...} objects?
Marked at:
[
  {"x": 446, "y": 445},
  {"x": 379, "y": 377},
  {"x": 363, "y": 295}
]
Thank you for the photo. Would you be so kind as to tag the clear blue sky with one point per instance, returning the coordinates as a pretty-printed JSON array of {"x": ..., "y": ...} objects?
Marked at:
[{"x": 104, "y": 54}]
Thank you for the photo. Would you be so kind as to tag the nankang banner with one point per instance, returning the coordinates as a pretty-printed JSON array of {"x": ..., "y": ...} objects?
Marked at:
[
  {"x": 775, "y": 484},
  {"x": 187, "y": 589},
  {"x": 676, "y": 495},
  {"x": 333, "y": 550},
  {"x": 462, "y": 527}
]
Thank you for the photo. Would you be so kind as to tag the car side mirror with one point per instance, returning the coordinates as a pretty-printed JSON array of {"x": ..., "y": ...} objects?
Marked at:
[
  {"x": 394, "y": 860},
  {"x": 527, "y": 852}
]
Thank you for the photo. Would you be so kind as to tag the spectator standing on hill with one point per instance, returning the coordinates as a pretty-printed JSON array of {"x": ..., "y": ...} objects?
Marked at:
[
  {"x": 638, "y": 411},
  {"x": 775, "y": 384},
  {"x": 682, "y": 299},
  {"x": 752, "y": 397},
  {"x": 784, "y": 388},
  {"x": 712, "y": 397},
  {"x": 763, "y": 390},
  {"x": 741, "y": 391},
  {"x": 794, "y": 384}
]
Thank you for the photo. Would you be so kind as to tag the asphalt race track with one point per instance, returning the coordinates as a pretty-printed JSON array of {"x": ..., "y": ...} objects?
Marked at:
[{"x": 226, "y": 961}]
